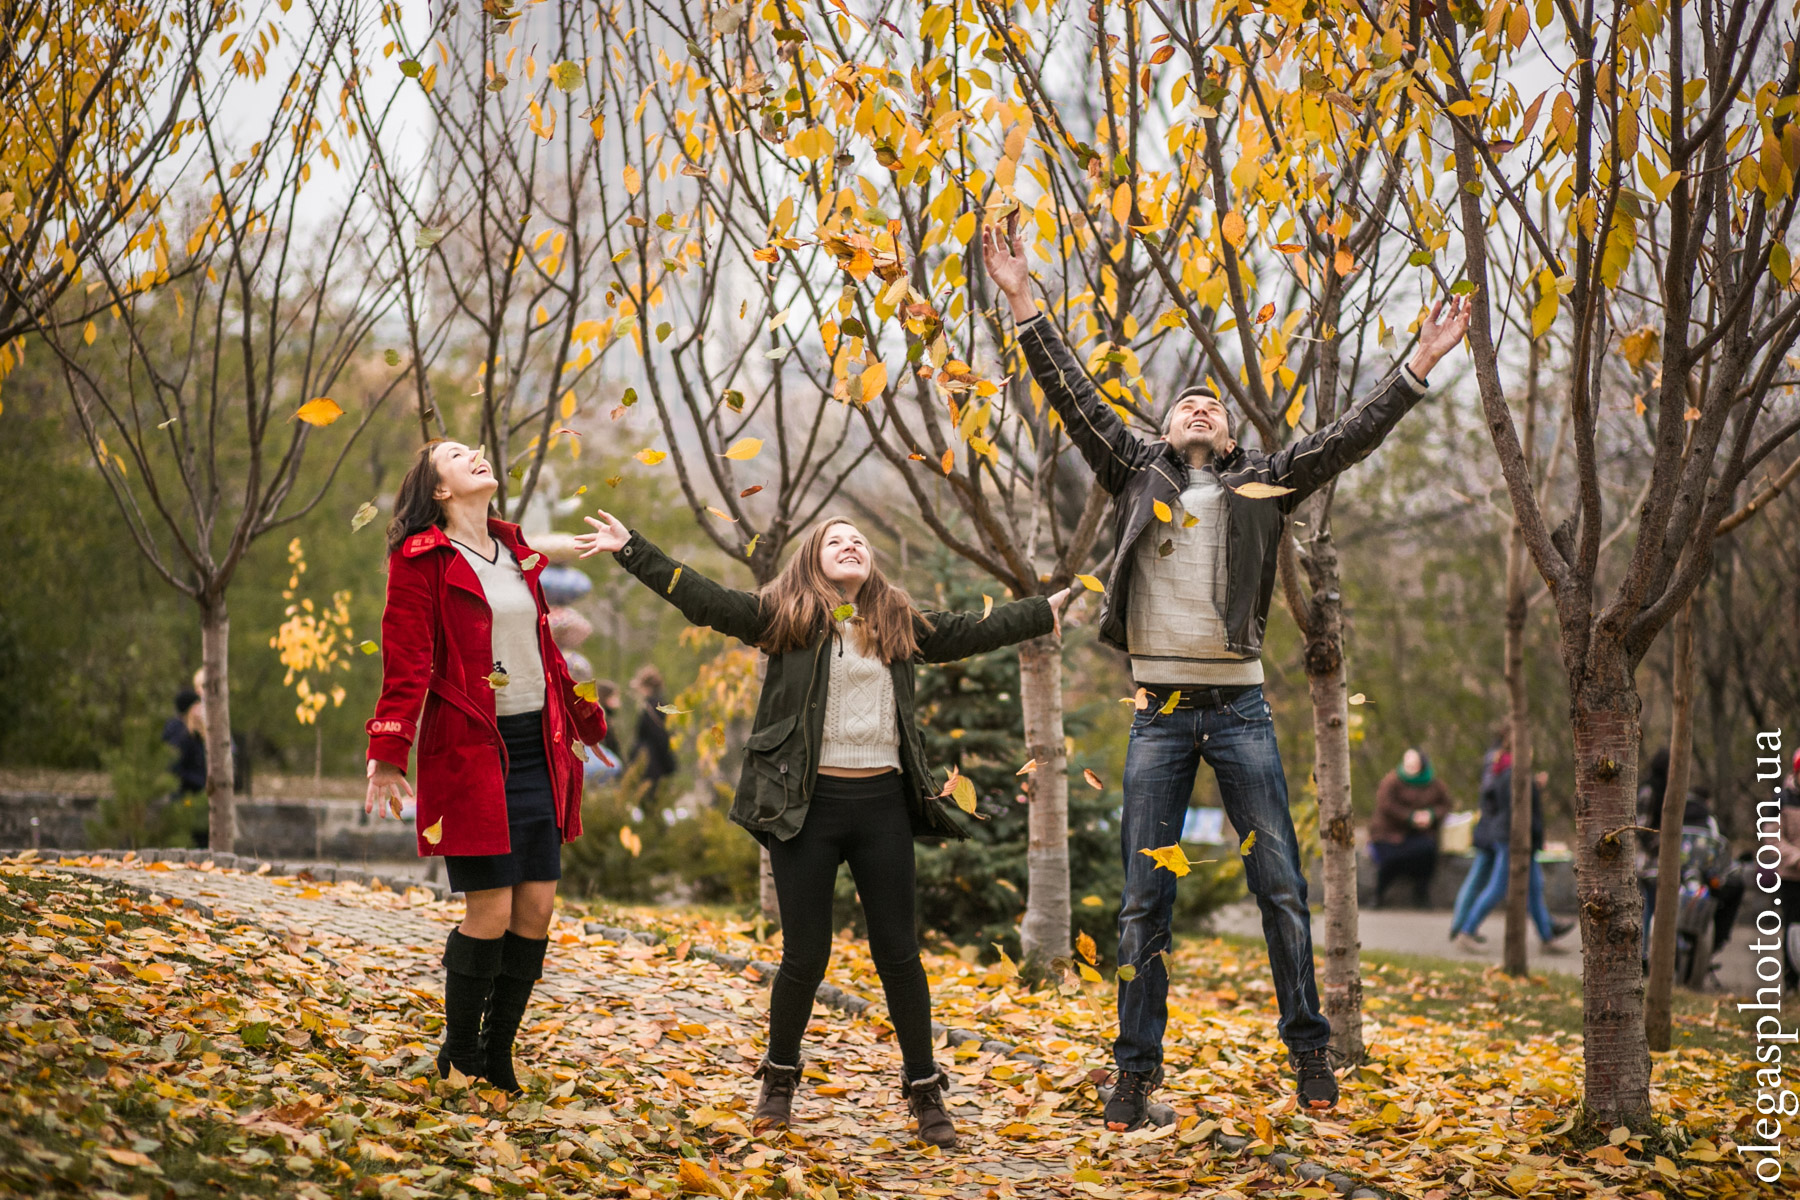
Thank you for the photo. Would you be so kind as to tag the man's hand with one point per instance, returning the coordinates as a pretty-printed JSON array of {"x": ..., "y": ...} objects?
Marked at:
[
  {"x": 611, "y": 536},
  {"x": 1441, "y": 333},
  {"x": 1004, "y": 253}
]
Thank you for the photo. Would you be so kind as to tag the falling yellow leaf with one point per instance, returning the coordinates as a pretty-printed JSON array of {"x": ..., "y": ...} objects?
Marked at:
[
  {"x": 531, "y": 560},
  {"x": 88, "y": 334},
  {"x": 1256, "y": 489},
  {"x": 1248, "y": 842},
  {"x": 843, "y": 612},
  {"x": 630, "y": 841},
  {"x": 588, "y": 691},
  {"x": 322, "y": 411},
  {"x": 948, "y": 462},
  {"x": 1084, "y": 946},
  {"x": 1092, "y": 902},
  {"x": 1640, "y": 347},
  {"x": 1028, "y": 768},
  {"x": 670, "y": 710},
  {"x": 1264, "y": 313},
  {"x": 987, "y": 605},
  {"x": 1088, "y": 973},
  {"x": 1162, "y": 511},
  {"x": 634, "y": 181},
  {"x": 673, "y": 580},
  {"x": 744, "y": 449},
  {"x": 1168, "y": 706},
  {"x": 649, "y": 457},
  {"x": 435, "y": 833},
  {"x": 1091, "y": 583},
  {"x": 369, "y": 648},
  {"x": 721, "y": 514},
  {"x": 960, "y": 788},
  {"x": 1359, "y": 698},
  {"x": 1170, "y": 858},
  {"x": 362, "y": 517},
  {"x": 498, "y": 679},
  {"x": 1093, "y": 780}
]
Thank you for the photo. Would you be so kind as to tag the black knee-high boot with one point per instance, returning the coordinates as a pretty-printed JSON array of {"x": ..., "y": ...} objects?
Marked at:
[
  {"x": 521, "y": 966},
  {"x": 470, "y": 965}
]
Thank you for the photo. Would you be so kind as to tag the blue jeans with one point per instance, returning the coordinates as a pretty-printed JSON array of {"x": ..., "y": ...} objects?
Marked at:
[
  {"x": 1238, "y": 742},
  {"x": 1485, "y": 890}
]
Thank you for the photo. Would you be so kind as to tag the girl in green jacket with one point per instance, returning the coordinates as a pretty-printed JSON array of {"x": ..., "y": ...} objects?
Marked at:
[{"x": 834, "y": 770}]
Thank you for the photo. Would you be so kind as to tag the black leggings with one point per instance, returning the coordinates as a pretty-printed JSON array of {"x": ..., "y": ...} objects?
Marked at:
[{"x": 863, "y": 822}]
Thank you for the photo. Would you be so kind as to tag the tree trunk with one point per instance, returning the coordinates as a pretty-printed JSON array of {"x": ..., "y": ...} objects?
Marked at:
[
  {"x": 215, "y": 695},
  {"x": 1340, "y": 988},
  {"x": 1657, "y": 1020},
  {"x": 1519, "y": 851},
  {"x": 1045, "y": 934},
  {"x": 1605, "y": 712}
]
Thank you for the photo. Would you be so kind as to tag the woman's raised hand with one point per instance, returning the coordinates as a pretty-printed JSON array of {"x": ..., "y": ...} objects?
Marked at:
[
  {"x": 387, "y": 788},
  {"x": 609, "y": 534}
]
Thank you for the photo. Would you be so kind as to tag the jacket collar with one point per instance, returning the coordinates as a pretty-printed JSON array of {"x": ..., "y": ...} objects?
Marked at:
[{"x": 435, "y": 538}]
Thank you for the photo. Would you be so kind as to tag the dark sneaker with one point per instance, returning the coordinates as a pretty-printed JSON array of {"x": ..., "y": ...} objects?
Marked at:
[
  {"x": 925, "y": 1100},
  {"x": 1128, "y": 1104},
  {"x": 1559, "y": 929},
  {"x": 1315, "y": 1084},
  {"x": 776, "y": 1104}
]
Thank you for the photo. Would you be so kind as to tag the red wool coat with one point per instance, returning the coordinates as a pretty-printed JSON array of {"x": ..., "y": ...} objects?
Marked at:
[{"x": 436, "y": 653}]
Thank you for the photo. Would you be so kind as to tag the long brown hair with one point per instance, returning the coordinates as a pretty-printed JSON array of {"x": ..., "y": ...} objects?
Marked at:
[
  {"x": 416, "y": 506},
  {"x": 800, "y": 601}
]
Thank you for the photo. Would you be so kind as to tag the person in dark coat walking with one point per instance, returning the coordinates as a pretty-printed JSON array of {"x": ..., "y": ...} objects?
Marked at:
[
  {"x": 652, "y": 748},
  {"x": 1411, "y": 803},
  {"x": 465, "y": 637},
  {"x": 835, "y": 772},
  {"x": 1485, "y": 888}
]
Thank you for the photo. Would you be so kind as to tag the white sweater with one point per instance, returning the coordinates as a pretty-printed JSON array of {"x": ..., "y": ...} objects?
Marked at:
[
  {"x": 862, "y": 720},
  {"x": 1175, "y": 626}
]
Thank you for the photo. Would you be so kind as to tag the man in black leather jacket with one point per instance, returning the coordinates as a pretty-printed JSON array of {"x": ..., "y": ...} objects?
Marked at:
[{"x": 1198, "y": 521}]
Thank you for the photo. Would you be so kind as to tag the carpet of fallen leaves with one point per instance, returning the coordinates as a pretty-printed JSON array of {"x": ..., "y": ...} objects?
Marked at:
[{"x": 152, "y": 1052}]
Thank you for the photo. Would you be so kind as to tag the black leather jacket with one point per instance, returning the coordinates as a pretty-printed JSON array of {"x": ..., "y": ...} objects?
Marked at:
[{"x": 1140, "y": 472}]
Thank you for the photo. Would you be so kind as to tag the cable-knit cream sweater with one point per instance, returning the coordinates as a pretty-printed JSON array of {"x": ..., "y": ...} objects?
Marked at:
[{"x": 862, "y": 721}]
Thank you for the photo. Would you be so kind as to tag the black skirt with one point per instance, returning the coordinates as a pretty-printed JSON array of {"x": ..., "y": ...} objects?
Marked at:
[{"x": 530, "y": 817}]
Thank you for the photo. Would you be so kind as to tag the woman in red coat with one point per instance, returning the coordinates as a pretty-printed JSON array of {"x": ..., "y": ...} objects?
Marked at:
[{"x": 466, "y": 636}]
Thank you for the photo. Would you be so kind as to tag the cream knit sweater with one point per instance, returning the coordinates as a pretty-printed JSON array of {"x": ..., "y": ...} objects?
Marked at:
[{"x": 862, "y": 721}]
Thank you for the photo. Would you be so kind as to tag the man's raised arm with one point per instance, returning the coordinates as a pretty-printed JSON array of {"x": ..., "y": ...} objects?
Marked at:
[
  {"x": 1112, "y": 451},
  {"x": 1308, "y": 464}
]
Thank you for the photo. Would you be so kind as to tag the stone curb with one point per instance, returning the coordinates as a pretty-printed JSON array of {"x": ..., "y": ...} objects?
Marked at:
[
  {"x": 835, "y": 997},
  {"x": 322, "y": 872},
  {"x": 828, "y": 994}
]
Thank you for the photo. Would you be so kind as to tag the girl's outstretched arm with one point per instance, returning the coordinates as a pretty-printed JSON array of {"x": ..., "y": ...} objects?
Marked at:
[
  {"x": 703, "y": 602},
  {"x": 958, "y": 635}
]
